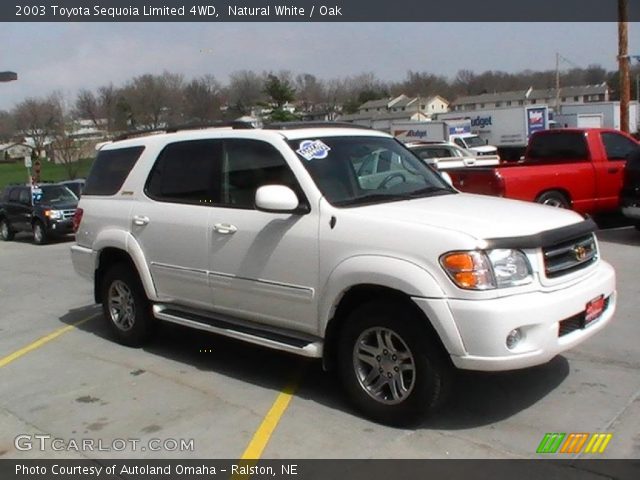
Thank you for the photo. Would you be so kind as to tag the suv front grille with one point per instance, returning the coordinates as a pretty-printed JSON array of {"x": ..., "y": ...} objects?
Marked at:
[
  {"x": 569, "y": 256},
  {"x": 67, "y": 214}
]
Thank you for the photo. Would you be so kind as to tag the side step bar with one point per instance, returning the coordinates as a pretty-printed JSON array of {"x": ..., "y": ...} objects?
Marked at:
[{"x": 241, "y": 330}]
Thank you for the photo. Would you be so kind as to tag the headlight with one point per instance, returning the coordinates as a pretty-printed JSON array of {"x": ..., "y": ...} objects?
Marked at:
[
  {"x": 510, "y": 267},
  {"x": 53, "y": 214},
  {"x": 485, "y": 270}
]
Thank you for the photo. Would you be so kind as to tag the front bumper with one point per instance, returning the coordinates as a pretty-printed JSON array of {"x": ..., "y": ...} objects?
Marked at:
[
  {"x": 483, "y": 325},
  {"x": 60, "y": 227},
  {"x": 632, "y": 212}
]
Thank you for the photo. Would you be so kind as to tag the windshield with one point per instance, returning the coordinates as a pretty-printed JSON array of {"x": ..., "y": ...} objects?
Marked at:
[
  {"x": 53, "y": 194},
  {"x": 358, "y": 170},
  {"x": 474, "y": 142}
]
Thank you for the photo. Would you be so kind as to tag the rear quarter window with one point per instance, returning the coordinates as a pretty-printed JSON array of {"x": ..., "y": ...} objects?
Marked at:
[
  {"x": 559, "y": 146},
  {"x": 618, "y": 147},
  {"x": 14, "y": 195},
  {"x": 5, "y": 194},
  {"x": 110, "y": 169}
]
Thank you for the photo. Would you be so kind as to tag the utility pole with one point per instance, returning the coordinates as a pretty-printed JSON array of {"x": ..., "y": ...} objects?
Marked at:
[
  {"x": 623, "y": 64},
  {"x": 557, "y": 109}
]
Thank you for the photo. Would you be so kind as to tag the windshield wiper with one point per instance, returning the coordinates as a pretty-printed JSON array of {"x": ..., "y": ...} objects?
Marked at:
[
  {"x": 373, "y": 198},
  {"x": 430, "y": 190}
]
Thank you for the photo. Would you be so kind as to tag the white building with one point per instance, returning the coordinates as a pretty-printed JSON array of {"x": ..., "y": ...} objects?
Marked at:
[
  {"x": 379, "y": 114},
  {"x": 568, "y": 96}
]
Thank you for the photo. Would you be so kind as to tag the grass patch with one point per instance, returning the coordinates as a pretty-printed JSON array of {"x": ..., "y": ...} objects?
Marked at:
[{"x": 49, "y": 172}]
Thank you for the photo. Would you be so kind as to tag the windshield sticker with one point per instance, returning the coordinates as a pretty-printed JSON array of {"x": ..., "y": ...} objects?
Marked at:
[
  {"x": 310, "y": 149},
  {"x": 36, "y": 194}
]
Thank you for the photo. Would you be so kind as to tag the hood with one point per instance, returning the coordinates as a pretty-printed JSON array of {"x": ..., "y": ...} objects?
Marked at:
[
  {"x": 479, "y": 216},
  {"x": 484, "y": 149},
  {"x": 58, "y": 206}
]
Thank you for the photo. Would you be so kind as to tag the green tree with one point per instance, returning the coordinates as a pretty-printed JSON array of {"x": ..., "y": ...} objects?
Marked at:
[{"x": 279, "y": 90}]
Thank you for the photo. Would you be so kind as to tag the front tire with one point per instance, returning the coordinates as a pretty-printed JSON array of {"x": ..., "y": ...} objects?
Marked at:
[
  {"x": 391, "y": 368},
  {"x": 126, "y": 307},
  {"x": 40, "y": 236},
  {"x": 6, "y": 234}
]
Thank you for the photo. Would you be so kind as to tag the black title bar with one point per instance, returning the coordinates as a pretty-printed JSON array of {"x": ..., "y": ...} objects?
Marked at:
[
  {"x": 315, "y": 11},
  {"x": 105, "y": 469}
]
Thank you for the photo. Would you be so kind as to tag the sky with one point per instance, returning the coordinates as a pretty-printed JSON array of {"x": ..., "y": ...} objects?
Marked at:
[{"x": 66, "y": 57}]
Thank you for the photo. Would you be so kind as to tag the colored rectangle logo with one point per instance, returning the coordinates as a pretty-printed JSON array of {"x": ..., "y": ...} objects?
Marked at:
[{"x": 573, "y": 443}]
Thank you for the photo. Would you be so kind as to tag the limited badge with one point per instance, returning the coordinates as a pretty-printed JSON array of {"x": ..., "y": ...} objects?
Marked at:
[{"x": 310, "y": 149}]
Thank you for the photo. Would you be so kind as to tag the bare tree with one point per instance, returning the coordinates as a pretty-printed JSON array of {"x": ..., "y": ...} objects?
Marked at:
[
  {"x": 245, "y": 90},
  {"x": 68, "y": 151},
  {"x": 152, "y": 101},
  {"x": 423, "y": 84},
  {"x": 7, "y": 126},
  {"x": 39, "y": 120},
  {"x": 108, "y": 97},
  {"x": 202, "y": 100},
  {"x": 87, "y": 106},
  {"x": 309, "y": 90}
]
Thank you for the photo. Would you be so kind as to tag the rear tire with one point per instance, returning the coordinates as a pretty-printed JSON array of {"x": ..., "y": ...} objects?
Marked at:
[
  {"x": 391, "y": 368},
  {"x": 40, "y": 236},
  {"x": 126, "y": 307},
  {"x": 554, "y": 198},
  {"x": 6, "y": 234}
]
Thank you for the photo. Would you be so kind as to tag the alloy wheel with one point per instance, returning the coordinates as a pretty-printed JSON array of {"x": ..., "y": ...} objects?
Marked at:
[
  {"x": 384, "y": 365},
  {"x": 121, "y": 305}
]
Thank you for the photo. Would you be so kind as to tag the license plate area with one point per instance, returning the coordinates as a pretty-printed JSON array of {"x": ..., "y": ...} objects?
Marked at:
[{"x": 593, "y": 310}]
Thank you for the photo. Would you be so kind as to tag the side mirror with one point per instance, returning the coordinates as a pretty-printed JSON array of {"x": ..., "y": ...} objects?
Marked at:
[
  {"x": 446, "y": 177},
  {"x": 276, "y": 199}
]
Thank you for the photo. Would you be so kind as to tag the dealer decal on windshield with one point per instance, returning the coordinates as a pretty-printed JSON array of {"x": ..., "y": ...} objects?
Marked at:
[{"x": 310, "y": 149}]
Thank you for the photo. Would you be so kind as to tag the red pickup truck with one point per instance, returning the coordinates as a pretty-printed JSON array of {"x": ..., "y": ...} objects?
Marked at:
[{"x": 578, "y": 168}]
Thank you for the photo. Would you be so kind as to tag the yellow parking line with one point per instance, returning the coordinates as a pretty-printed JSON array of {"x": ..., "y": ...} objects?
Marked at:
[
  {"x": 4, "y": 361},
  {"x": 270, "y": 422}
]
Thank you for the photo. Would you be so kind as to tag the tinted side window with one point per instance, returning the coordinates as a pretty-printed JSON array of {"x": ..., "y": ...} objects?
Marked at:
[
  {"x": 618, "y": 147},
  {"x": 186, "y": 172},
  {"x": 110, "y": 169},
  {"x": 559, "y": 146},
  {"x": 25, "y": 196},
  {"x": 14, "y": 194},
  {"x": 248, "y": 165}
]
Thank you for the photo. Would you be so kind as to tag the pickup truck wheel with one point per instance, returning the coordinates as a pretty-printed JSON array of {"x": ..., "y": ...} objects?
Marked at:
[
  {"x": 39, "y": 233},
  {"x": 5, "y": 230},
  {"x": 392, "y": 371},
  {"x": 126, "y": 307},
  {"x": 553, "y": 199}
]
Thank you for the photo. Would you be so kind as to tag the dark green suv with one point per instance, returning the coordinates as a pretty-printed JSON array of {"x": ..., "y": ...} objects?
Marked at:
[{"x": 45, "y": 210}]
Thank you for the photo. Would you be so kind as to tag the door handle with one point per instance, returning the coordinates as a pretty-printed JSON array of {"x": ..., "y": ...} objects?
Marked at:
[
  {"x": 613, "y": 170},
  {"x": 225, "y": 228},
  {"x": 140, "y": 220}
]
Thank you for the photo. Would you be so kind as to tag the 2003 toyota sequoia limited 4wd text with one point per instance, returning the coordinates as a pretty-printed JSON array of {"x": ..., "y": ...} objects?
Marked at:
[{"x": 335, "y": 243}]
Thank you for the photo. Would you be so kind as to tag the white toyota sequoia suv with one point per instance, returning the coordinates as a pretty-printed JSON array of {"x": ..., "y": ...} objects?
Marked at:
[{"x": 335, "y": 243}]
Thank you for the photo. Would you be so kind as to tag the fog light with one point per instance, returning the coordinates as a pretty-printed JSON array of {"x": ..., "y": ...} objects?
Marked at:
[{"x": 514, "y": 338}]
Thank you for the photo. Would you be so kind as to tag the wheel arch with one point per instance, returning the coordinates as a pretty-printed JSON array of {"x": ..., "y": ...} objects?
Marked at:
[
  {"x": 115, "y": 247},
  {"x": 562, "y": 191},
  {"x": 359, "y": 294}
]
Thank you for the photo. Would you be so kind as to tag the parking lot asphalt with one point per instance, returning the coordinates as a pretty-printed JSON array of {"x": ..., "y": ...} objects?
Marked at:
[{"x": 213, "y": 393}]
